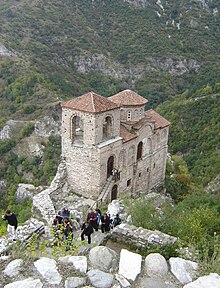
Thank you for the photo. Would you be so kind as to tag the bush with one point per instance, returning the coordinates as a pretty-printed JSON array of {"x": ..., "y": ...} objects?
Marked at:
[{"x": 27, "y": 130}]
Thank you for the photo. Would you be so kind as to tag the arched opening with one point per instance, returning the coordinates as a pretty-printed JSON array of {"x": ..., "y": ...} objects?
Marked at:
[
  {"x": 139, "y": 150},
  {"x": 77, "y": 130},
  {"x": 107, "y": 128},
  {"x": 114, "y": 192},
  {"x": 110, "y": 166}
]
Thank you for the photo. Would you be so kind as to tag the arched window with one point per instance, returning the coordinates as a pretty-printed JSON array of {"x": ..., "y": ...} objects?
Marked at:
[
  {"x": 107, "y": 128},
  {"x": 129, "y": 116},
  {"x": 110, "y": 166},
  {"x": 77, "y": 130},
  {"x": 139, "y": 150}
]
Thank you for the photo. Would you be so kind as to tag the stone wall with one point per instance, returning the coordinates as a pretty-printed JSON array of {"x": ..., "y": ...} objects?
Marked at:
[{"x": 140, "y": 237}]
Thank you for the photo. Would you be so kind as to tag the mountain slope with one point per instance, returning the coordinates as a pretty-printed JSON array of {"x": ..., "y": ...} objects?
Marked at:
[
  {"x": 156, "y": 47},
  {"x": 194, "y": 131},
  {"x": 54, "y": 50}
]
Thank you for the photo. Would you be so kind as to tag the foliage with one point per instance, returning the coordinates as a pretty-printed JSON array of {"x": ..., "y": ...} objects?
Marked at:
[
  {"x": 195, "y": 221},
  {"x": 193, "y": 132},
  {"x": 27, "y": 130},
  {"x": 178, "y": 180},
  {"x": 6, "y": 146}
]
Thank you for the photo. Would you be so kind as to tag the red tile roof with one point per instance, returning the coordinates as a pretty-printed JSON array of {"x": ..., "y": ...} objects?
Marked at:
[
  {"x": 128, "y": 98},
  {"x": 160, "y": 122},
  {"x": 125, "y": 134},
  {"x": 90, "y": 102}
]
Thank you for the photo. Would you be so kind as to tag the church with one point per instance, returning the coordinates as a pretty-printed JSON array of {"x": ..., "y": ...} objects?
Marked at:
[{"x": 112, "y": 146}]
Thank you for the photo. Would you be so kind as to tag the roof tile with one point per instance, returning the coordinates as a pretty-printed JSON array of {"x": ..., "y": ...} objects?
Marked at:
[
  {"x": 90, "y": 102},
  {"x": 125, "y": 134},
  {"x": 160, "y": 122},
  {"x": 128, "y": 98}
]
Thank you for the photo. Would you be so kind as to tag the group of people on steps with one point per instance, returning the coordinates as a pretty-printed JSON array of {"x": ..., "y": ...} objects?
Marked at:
[{"x": 64, "y": 226}]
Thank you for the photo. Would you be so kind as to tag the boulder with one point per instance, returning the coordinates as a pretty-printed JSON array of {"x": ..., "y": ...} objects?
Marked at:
[
  {"x": 183, "y": 269},
  {"x": 100, "y": 279},
  {"x": 25, "y": 191},
  {"x": 79, "y": 262},
  {"x": 27, "y": 283},
  {"x": 210, "y": 281},
  {"x": 103, "y": 258},
  {"x": 48, "y": 269},
  {"x": 74, "y": 282},
  {"x": 156, "y": 265},
  {"x": 129, "y": 264},
  {"x": 13, "y": 268}
]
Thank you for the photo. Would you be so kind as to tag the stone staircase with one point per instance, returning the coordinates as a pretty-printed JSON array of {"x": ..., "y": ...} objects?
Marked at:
[{"x": 105, "y": 191}]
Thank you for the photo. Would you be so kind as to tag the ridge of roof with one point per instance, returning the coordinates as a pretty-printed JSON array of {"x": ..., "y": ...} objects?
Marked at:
[
  {"x": 125, "y": 134},
  {"x": 128, "y": 98},
  {"x": 160, "y": 121},
  {"x": 90, "y": 102}
]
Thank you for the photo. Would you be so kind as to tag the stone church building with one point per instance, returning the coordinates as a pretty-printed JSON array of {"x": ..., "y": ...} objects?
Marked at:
[{"x": 113, "y": 146}]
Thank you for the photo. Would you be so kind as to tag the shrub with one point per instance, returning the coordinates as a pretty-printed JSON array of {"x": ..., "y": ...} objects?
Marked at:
[{"x": 28, "y": 129}]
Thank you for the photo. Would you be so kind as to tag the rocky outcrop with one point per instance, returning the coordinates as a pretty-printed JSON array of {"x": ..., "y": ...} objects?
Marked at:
[
  {"x": 47, "y": 126},
  {"x": 4, "y": 51},
  {"x": 24, "y": 232},
  {"x": 43, "y": 201},
  {"x": 109, "y": 67},
  {"x": 25, "y": 191},
  {"x": 139, "y": 3}
]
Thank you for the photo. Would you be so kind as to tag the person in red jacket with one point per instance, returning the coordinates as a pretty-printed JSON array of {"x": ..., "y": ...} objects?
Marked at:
[
  {"x": 12, "y": 223},
  {"x": 92, "y": 218}
]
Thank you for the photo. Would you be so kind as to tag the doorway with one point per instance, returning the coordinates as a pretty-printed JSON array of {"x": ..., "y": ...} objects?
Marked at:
[{"x": 114, "y": 192}]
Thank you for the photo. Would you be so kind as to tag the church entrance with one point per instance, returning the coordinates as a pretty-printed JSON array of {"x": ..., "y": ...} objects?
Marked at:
[
  {"x": 110, "y": 166},
  {"x": 114, "y": 192}
]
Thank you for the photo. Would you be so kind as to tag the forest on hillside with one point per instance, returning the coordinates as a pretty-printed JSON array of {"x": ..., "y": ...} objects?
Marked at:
[{"x": 52, "y": 51}]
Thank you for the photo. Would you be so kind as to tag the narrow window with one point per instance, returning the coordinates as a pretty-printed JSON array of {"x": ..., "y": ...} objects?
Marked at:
[
  {"x": 129, "y": 182},
  {"x": 107, "y": 128},
  {"x": 129, "y": 116},
  {"x": 139, "y": 150}
]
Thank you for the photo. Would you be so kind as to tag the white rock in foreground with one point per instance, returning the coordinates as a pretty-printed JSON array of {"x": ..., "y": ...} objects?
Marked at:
[
  {"x": 183, "y": 269},
  {"x": 100, "y": 279},
  {"x": 129, "y": 264},
  {"x": 74, "y": 282},
  {"x": 156, "y": 265},
  {"x": 210, "y": 281},
  {"x": 103, "y": 258},
  {"x": 27, "y": 283},
  {"x": 13, "y": 268},
  {"x": 79, "y": 262},
  {"x": 48, "y": 269}
]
